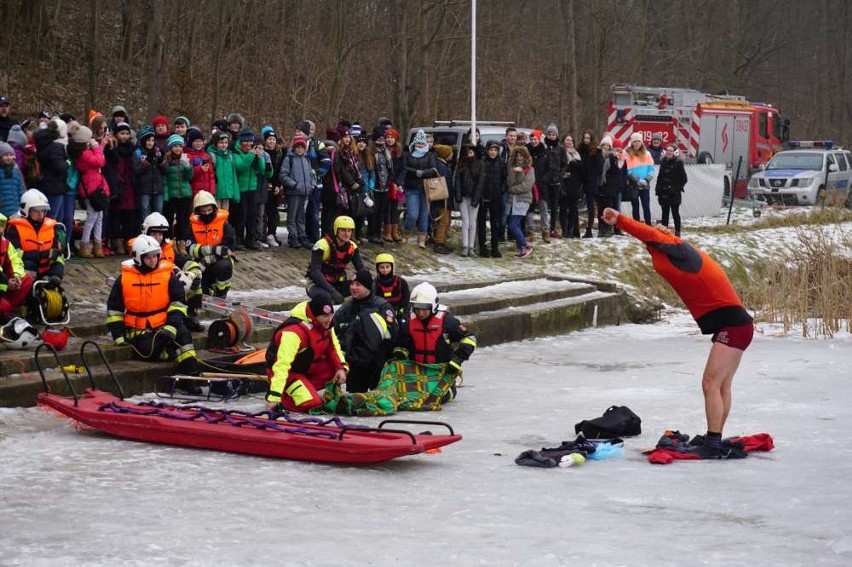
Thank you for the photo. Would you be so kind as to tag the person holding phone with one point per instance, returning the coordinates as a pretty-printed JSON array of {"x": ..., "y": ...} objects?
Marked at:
[{"x": 203, "y": 174}]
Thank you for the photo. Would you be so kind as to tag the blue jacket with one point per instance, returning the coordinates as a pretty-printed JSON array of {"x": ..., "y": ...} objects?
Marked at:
[{"x": 12, "y": 186}]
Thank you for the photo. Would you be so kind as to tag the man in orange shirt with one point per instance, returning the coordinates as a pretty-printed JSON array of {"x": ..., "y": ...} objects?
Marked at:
[{"x": 714, "y": 304}]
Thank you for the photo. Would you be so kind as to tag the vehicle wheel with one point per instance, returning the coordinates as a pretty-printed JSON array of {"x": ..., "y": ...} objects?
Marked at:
[{"x": 705, "y": 157}]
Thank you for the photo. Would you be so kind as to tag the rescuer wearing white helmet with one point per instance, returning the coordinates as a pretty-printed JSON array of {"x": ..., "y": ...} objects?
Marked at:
[
  {"x": 430, "y": 332},
  {"x": 147, "y": 306},
  {"x": 329, "y": 259},
  {"x": 188, "y": 270},
  {"x": 38, "y": 237},
  {"x": 211, "y": 241}
]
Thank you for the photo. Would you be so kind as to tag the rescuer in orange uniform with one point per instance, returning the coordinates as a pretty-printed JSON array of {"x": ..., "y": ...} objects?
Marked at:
[
  {"x": 714, "y": 304},
  {"x": 147, "y": 306},
  {"x": 212, "y": 238}
]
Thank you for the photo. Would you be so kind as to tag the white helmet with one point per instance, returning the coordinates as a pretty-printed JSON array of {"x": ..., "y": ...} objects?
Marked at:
[
  {"x": 203, "y": 198},
  {"x": 155, "y": 222},
  {"x": 144, "y": 244},
  {"x": 33, "y": 198},
  {"x": 424, "y": 296},
  {"x": 18, "y": 334}
]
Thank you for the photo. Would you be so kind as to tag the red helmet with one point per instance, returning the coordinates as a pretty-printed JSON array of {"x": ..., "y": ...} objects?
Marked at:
[{"x": 57, "y": 338}]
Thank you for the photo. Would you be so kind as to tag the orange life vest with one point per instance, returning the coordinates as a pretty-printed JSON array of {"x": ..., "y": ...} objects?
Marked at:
[
  {"x": 32, "y": 241},
  {"x": 146, "y": 296},
  {"x": 209, "y": 234}
]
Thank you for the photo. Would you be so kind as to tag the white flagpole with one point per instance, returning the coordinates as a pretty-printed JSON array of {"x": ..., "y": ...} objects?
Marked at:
[{"x": 472, "y": 69}]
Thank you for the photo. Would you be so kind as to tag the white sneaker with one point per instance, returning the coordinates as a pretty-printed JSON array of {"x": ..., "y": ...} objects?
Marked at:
[
  {"x": 270, "y": 241},
  {"x": 262, "y": 244}
]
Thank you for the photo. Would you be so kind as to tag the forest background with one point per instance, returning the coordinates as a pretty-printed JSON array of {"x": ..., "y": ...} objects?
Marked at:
[{"x": 538, "y": 61}]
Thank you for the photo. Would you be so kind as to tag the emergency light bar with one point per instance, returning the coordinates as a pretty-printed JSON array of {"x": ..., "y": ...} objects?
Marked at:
[{"x": 801, "y": 144}]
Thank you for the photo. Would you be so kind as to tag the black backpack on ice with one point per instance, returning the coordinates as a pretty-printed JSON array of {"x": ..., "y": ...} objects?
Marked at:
[{"x": 617, "y": 421}]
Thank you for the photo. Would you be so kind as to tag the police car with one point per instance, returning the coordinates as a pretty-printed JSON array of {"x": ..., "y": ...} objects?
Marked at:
[{"x": 809, "y": 173}]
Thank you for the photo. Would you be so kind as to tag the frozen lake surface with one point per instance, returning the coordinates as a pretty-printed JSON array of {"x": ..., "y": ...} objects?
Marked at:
[{"x": 82, "y": 498}]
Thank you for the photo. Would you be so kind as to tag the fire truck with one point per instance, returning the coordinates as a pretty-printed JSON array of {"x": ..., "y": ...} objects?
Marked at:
[{"x": 706, "y": 128}]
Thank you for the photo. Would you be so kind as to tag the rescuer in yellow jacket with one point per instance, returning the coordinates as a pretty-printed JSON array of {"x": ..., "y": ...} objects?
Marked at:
[{"x": 303, "y": 356}]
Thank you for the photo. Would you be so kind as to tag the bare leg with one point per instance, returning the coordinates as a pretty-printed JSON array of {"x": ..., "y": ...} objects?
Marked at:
[{"x": 719, "y": 372}]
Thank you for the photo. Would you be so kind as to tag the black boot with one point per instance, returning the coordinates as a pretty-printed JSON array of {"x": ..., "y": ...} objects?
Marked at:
[
  {"x": 495, "y": 252},
  {"x": 483, "y": 252}
]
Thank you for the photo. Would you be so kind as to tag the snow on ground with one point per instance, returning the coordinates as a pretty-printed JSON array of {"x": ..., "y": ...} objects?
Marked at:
[{"x": 81, "y": 498}]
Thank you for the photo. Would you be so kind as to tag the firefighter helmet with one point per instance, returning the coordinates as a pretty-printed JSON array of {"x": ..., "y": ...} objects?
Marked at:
[
  {"x": 203, "y": 198},
  {"x": 33, "y": 199},
  {"x": 144, "y": 244},
  {"x": 57, "y": 338},
  {"x": 155, "y": 222},
  {"x": 343, "y": 222},
  {"x": 424, "y": 296},
  {"x": 19, "y": 334}
]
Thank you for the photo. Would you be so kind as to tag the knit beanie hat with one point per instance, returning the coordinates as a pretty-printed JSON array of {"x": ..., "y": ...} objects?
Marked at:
[
  {"x": 175, "y": 140},
  {"x": 6, "y": 149},
  {"x": 321, "y": 304},
  {"x": 552, "y": 129},
  {"x": 245, "y": 135},
  {"x": 356, "y": 129},
  {"x": 343, "y": 130},
  {"x": 82, "y": 135},
  {"x": 394, "y": 133},
  {"x": 444, "y": 151},
  {"x": 118, "y": 109},
  {"x": 635, "y": 137},
  {"x": 94, "y": 114},
  {"x": 492, "y": 143},
  {"x": 266, "y": 132},
  {"x": 144, "y": 132},
  {"x": 363, "y": 277},
  {"x": 220, "y": 124},
  {"x": 220, "y": 135},
  {"x": 16, "y": 136},
  {"x": 122, "y": 126},
  {"x": 159, "y": 119},
  {"x": 657, "y": 136},
  {"x": 419, "y": 137},
  {"x": 182, "y": 119},
  {"x": 194, "y": 134},
  {"x": 535, "y": 134},
  {"x": 235, "y": 118},
  {"x": 299, "y": 139},
  {"x": 606, "y": 140}
]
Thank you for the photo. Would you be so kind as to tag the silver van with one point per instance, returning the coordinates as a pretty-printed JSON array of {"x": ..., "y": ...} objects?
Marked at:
[{"x": 454, "y": 132}]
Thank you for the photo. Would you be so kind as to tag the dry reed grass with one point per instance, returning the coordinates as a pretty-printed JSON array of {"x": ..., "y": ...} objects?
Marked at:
[{"x": 812, "y": 289}]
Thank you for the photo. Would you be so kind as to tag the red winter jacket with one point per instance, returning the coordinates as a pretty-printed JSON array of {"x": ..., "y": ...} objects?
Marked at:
[
  {"x": 89, "y": 165},
  {"x": 201, "y": 180}
]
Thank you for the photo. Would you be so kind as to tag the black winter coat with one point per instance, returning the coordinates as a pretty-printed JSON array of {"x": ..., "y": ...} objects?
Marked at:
[
  {"x": 671, "y": 180},
  {"x": 494, "y": 178},
  {"x": 468, "y": 183},
  {"x": 53, "y": 159}
]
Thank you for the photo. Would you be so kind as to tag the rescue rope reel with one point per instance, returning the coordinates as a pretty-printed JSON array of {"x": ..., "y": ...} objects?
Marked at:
[
  {"x": 52, "y": 305},
  {"x": 227, "y": 334}
]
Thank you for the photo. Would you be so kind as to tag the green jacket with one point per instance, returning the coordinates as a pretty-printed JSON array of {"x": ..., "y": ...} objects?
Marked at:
[
  {"x": 177, "y": 175},
  {"x": 248, "y": 166},
  {"x": 226, "y": 174}
]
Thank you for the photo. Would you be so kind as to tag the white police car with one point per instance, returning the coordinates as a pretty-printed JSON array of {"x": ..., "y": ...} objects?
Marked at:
[{"x": 807, "y": 174}]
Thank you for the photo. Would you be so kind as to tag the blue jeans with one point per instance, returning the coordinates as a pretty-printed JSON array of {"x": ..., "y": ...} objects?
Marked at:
[
  {"x": 417, "y": 212},
  {"x": 515, "y": 230},
  {"x": 149, "y": 204},
  {"x": 645, "y": 198},
  {"x": 312, "y": 215}
]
